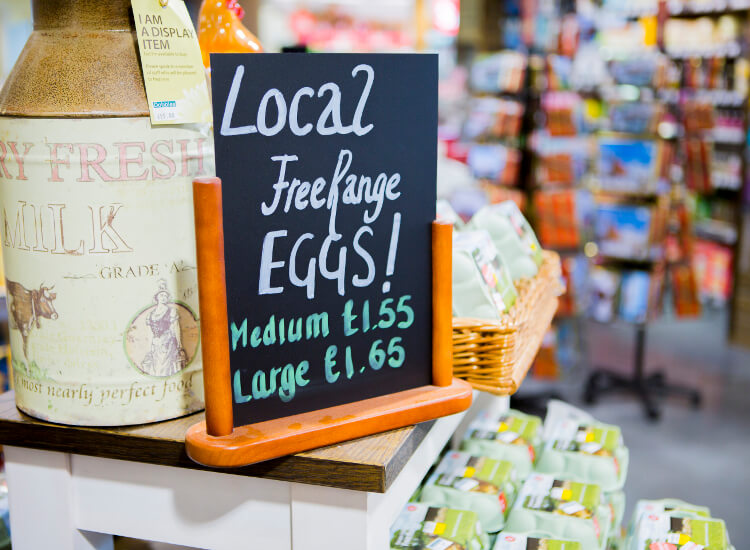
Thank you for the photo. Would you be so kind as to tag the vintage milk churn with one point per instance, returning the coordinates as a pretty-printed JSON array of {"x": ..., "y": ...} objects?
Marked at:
[{"x": 97, "y": 227}]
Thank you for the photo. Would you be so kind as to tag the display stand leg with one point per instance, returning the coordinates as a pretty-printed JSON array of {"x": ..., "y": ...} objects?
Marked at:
[
  {"x": 40, "y": 492},
  {"x": 647, "y": 388}
]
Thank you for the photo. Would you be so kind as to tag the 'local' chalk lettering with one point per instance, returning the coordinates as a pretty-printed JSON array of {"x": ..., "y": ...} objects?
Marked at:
[{"x": 329, "y": 121}]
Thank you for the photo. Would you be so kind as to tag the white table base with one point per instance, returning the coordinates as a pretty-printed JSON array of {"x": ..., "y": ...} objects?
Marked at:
[{"x": 66, "y": 501}]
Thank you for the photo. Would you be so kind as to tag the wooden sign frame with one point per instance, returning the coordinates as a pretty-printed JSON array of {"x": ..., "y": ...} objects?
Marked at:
[{"x": 218, "y": 443}]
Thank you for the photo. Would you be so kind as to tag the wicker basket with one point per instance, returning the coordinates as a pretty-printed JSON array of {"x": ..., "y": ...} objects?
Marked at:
[{"x": 494, "y": 356}]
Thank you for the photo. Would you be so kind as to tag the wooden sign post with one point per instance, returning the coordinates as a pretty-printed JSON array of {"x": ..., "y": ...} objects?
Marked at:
[{"x": 325, "y": 286}]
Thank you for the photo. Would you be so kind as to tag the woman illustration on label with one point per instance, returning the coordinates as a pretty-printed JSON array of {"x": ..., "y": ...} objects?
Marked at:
[{"x": 167, "y": 356}]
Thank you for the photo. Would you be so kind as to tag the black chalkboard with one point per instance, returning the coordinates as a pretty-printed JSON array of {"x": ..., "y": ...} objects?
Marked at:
[{"x": 352, "y": 137}]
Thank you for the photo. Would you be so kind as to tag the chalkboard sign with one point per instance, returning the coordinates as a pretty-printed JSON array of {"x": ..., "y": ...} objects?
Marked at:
[{"x": 328, "y": 164}]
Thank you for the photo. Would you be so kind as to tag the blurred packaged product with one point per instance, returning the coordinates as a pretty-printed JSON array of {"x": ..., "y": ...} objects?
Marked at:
[
  {"x": 497, "y": 194},
  {"x": 558, "y": 71},
  {"x": 494, "y": 162},
  {"x": 685, "y": 291},
  {"x": 726, "y": 170},
  {"x": 562, "y": 217},
  {"x": 564, "y": 113},
  {"x": 635, "y": 117},
  {"x": 546, "y": 366},
  {"x": 334, "y": 28},
  {"x": 492, "y": 117},
  {"x": 627, "y": 8},
  {"x": 603, "y": 287},
  {"x": 728, "y": 128},
  {"x": 713, "y": 266},
  {"x": 628, "y": 231},
  {"x": 629, "y": 40},
  {"x": 561, "y": 161},
  {"x": 574, "y": 273},
  {"x": 498, "y": 72},
  {"x": 703, "y": 37},
  {"x": 628, "y": 165},
  {"x": 652, "y": 69},
  {"x": 634, "y": 294}
]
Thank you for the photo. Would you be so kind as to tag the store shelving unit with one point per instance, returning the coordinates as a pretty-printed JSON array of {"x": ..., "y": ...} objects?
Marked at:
[
  {"x": 549, "y": 181},
  {"x": 726, "y": 96},
  {"x": 653, "y": 194}
]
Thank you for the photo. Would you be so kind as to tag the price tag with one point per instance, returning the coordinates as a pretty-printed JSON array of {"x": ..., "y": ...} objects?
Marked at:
[{"x": 173, "y": 71}]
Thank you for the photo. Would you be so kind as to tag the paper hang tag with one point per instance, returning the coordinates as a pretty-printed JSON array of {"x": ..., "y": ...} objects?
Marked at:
[{"x": 173, "y": 71}]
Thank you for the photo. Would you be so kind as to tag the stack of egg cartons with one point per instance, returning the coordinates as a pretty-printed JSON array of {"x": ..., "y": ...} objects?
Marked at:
[
  {"x": 478, "y": 484},
  {"x": 460, "y": 506},
  {"x": 524, "y": 484},
  {"x": 573, "y": 469}
]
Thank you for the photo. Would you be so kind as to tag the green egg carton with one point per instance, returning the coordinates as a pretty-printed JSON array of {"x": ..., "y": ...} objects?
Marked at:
[
  {"x": 471, "y": 296},
  {"x": 678, "y": 530},
  {"x": 519, "y": 256},
  {"x": 512, "y": 436},
  {"x": 579, "y": 447},
  {"x": 480, "y": 484},
  {"x": 666, "y": 505},
  {"x": 420, "y": 526},
  {"x": 513, "y": 237},
  {"x": 565, "y": 509},
  {"x": 482, "y": 286}
]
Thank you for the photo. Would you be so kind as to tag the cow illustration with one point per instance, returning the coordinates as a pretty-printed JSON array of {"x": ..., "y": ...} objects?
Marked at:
[{"x": 28, "y": 307}]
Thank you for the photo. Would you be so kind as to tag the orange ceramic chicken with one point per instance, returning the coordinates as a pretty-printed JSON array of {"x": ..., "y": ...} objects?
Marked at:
[{"x": 220, "y": 30}]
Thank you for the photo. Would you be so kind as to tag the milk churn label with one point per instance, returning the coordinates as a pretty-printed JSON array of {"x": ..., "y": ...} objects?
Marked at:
[{"x": 99, "y": 251}]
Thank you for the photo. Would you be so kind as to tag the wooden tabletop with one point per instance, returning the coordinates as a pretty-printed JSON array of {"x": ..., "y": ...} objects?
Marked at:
[{"x": 366, "y": 464}]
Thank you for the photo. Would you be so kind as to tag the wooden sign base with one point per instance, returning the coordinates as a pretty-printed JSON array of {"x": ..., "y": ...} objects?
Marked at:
[
  {"x": 302, "y": 432},
  {"x": 218, "y": 443}
]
